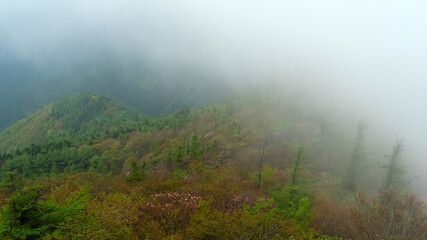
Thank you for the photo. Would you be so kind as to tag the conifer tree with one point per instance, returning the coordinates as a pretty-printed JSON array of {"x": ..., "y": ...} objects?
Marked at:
[
  {"x": 395, "y": 169},
  {"x": 30, "y": 215},
  {"x": 358, "y": 156},
  {"x": 261, "y": 162},
  {"x": 293, "y": 199}
]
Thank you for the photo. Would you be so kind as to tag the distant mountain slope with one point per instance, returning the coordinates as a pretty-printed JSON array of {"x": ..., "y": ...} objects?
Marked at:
[{"x": 78, "y": 116}]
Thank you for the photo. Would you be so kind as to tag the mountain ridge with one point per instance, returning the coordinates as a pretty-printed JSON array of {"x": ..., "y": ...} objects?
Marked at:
[{"x": 78, "y": 116}]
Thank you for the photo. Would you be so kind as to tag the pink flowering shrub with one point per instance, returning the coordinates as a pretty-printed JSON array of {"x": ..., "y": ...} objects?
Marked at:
[
  {"x": 221, "y": 158},
  {"x": 171, "y": 210},
  {"x": 237, "y": 202},
  {"x": 188, "y": 179},
  {"x": 207, "y": 136}
]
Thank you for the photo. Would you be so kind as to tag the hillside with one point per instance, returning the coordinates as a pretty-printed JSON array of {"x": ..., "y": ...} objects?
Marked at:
[
  {"x": 258, "y": 166},
  {"x": 76, "y": 117}
]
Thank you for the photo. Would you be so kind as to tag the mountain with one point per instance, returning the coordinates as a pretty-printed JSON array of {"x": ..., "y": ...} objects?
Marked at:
[
  {"x": 254, "y": 161},
  {"x": 147, "y": 87},
  {"x": 75, "y": 117}
]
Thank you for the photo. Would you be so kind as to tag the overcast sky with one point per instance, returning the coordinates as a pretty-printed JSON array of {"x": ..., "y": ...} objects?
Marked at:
[{"x": 368, "y": 56}]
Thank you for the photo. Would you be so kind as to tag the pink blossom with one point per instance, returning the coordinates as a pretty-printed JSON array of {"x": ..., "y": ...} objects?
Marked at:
[{"x": 208, "y": 135}]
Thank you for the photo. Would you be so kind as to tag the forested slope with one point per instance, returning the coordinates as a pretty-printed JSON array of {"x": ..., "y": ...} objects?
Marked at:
[
  {"x": 76, "y": 117},
  {"x": 255, "y": 166}
]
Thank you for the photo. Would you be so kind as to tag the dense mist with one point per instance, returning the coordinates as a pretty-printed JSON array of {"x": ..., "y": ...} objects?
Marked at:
[{"x": 364, "y": 59}]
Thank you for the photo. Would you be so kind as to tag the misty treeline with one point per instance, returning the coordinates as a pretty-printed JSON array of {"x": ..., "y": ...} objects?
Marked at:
[{"x": 254, "y": 166}]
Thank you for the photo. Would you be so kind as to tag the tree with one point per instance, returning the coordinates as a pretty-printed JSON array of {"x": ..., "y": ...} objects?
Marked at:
[
  {"x": 358, "y": 156},
  {"x": 296, "y": 167},
  {"x": 395, "y": 169},
  {"x": 29, "y": 215},
  {"x": 261, "y": 162},
  {"x": 292, "y": 199},
  {"x": 137, "y": 172},
  {"x": 12, "y": 182}
]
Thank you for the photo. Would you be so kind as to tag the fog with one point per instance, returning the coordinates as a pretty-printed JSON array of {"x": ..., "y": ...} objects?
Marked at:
[{"x": 365, "y": 58}]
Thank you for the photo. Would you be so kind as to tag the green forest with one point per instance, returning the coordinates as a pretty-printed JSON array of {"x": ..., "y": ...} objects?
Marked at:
[
  {"x": 256, "y": 165},
  {"x": 77, "y": 117}
]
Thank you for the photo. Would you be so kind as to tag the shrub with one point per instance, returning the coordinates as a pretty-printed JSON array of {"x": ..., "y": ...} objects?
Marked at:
[
  {"x": 390, "y": 216},
  {"x": 171, "y": 211}
]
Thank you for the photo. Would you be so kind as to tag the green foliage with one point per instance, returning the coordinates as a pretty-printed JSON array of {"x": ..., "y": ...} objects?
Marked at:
[
  {"x": 234, "y": 129},
  {"x": 266, "y": 173},
  {"x": 12, "y": 182},
  {"x": 29, "y": 215},
  {"x": 179, "y": 174},
  {"x": 297, "y": 168},
  {"x": 292, "y": 199},
  {"x": 293, "y": 202},
  {"x": 205, "y": 223},
  {"x": 241, "y": 224},
  {"x": 300, "y": 213},
  {"x": 137, "y": 172},
  {"x": 47, "y": 159},
  {"x": 260, "y": 206}
]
